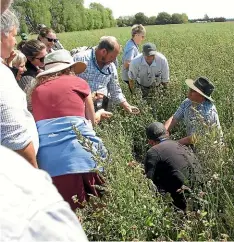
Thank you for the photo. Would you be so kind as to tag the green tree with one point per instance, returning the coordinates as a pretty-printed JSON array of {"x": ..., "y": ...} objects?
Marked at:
[
  {"x": 185, "y": 18},
  {"x": 152, "y": 20},
  {"x": 140, "y": 18},
  {"x": 163, "y": 18},
  {"x": 176, "y": 18}
]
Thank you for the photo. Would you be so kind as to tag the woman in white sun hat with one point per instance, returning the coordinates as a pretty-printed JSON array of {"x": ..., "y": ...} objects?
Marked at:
[{"x": 61, "y": 101}]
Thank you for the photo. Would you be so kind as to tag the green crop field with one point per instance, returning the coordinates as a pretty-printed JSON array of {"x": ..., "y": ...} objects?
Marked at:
[{"x": 130, "y": 210}]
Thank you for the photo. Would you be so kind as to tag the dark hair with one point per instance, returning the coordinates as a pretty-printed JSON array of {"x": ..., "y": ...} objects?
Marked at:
[
  {"x": 45, "y": 31},
  {"x": 20, "y": 45},
  {"x": 108, "y": 43},
  {"x": 32, "y": 48}
]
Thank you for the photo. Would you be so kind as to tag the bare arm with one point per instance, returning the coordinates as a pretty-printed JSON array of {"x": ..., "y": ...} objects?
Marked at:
[
  {"x": 126, "y": 64},
  {"x": 186, "y": 140},
  {"x": 89, "y": 109},
  {"x": 29, "y": 154},
  {"x": 170, "y": 123}
]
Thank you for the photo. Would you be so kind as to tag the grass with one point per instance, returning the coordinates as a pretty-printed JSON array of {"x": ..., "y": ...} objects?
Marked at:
[{"x": 132, "y": 210}]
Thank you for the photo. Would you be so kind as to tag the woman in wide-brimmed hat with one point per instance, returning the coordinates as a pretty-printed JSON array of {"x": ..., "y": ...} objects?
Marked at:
[{"x": 61, "y": 101}]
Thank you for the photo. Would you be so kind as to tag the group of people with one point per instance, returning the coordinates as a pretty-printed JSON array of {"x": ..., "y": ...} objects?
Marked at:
[{"x": 51, "y": 97}]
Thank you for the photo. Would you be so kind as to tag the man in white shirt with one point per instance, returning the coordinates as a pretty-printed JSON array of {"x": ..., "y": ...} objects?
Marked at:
[
  {"x": 18, "y": 130},
  {"x": 31, "y": 208},
  {"x": 149, "y": 69}
]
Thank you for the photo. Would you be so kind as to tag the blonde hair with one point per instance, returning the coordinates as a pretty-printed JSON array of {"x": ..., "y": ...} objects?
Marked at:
[
  {"x": 19, "y": 58},
  {"x": 138, "y": 29}
]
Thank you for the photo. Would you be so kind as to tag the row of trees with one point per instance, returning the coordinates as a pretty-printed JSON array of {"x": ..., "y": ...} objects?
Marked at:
[
  {"x": 161, "y": 18},
  {"x": 62, "y": 15}
]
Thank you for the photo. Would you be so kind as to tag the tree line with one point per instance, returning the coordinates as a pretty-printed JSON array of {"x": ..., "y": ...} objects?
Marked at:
[
  {"x": 162, "y": 18},
  {"x": 62, "y": 15}
]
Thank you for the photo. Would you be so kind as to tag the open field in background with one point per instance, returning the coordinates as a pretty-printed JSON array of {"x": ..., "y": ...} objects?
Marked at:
[{"x": 131, "y": 210}]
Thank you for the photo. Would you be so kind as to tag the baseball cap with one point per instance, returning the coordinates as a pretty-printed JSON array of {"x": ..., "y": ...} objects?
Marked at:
[
  {"x": 24, "y": 36},
  {"x": 149, "y": 49},
  {"x": 156, "y": 131}
]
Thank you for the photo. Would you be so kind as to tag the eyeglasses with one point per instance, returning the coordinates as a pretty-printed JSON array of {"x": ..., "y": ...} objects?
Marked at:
[
  {"x": 51, "y": 40},
  {"x": 41, "y": 59}
]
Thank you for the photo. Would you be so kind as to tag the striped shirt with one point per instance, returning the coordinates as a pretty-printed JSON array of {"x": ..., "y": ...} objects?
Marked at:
[
  {"x": 17, "y": 127},
  {"x": 104, "y": 80},
  {"x": 197, "y": 114}
]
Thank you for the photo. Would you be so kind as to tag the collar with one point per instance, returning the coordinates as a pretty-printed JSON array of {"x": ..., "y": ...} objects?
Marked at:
[
  {"x": 135, "y": 44},
  {"x": 143, "y": 62},
  {"x": 105, "y": 70}
]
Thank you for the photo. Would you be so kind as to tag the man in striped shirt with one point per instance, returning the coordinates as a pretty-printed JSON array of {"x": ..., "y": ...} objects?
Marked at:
[{"x": 197, "y": 111}]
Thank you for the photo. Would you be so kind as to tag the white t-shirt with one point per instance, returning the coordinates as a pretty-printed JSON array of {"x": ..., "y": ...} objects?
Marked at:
[
  {"x": 31, "y": 209},
  {"x": 17, "y": 126},
  {"x": 146, "y": 75}
]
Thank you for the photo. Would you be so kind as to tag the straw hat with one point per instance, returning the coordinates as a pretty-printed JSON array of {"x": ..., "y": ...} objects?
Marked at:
[
  {"x": 60, "y": 60},
  {"x": 203, "y": 86}
]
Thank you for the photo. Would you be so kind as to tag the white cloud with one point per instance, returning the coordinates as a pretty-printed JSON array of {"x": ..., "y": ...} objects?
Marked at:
[{"x": 194, "y": 9}]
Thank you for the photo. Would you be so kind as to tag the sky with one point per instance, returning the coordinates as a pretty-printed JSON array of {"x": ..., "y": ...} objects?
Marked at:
[{"x": 193, "y": 8}]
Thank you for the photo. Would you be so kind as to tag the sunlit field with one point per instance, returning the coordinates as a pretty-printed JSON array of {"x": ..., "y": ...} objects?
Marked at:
[{"x": 130, "y": 209}]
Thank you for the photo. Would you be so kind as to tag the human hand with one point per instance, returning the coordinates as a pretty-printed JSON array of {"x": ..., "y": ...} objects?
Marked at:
[
  {"x": 102, "y": 114},
  {"x": 11, "y": 57},
  {"x": 97, "y": 95},
  {"x": 133, "y": 109}
]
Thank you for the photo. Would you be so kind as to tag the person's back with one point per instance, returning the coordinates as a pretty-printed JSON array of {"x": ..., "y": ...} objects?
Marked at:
[
  {"x": 173, "y": 165},
  {"x": 31, "y": 207}
]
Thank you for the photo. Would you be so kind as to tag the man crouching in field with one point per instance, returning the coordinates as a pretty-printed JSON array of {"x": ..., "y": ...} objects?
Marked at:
[
  {"x": 101, "y": 72},
  {"x": 197, "y": 111},
  {"x": 170, "y": 165}
]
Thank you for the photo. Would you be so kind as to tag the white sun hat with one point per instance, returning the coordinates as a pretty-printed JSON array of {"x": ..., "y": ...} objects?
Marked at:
[{"x": 60, "y": 60}]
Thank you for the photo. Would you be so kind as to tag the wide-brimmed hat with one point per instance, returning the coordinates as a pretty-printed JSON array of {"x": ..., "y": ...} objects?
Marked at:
[
  {"x": 201, "y": 85},
  {"x": 60, "y": 60},
  {"x": 156, "y": 131}
]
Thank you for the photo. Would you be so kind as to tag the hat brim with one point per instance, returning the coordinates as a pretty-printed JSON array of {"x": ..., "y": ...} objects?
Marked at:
[
  {"x": 78, "y": 67},
  {"x": 190, "y": 84},
  {"x": 153, "y": 52}
]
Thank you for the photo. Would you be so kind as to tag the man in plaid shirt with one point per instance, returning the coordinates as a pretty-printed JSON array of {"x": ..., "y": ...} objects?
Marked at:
[{"x": 101, "y": 72}]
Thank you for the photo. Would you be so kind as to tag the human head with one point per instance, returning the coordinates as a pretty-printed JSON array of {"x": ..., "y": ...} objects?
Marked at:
[
  {"x": 48, "y": 37},
  {"x": 138, "y": 33},
  {"x": 19, "y": 61},
  {"x": 200, "y": 89},
  {"x": 35, "y": 51},
  {"x": 149, "y": 51},
  {"x": 155, "y": 132},
  {"x": 107, "y": 50},
  {"x": 5, "y": 4},
  {"x": 9, "y": 26}
]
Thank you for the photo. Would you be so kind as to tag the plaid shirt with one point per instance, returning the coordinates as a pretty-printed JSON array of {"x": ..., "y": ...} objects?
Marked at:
[
  {"x": 104, "y": 80},
  {"x": 193, "y": 114},
  {"x": 17, "y": 127}
]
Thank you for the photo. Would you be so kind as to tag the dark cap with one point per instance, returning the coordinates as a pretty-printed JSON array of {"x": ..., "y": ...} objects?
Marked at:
[
  {"x": 156, "y": 131},
  {"x": 149, "y": 49}
]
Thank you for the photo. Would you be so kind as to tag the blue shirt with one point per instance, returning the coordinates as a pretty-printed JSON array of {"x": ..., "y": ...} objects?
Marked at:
[
  {"x": 104, "y": 80},
  {"x": 196, "y": 115},
  {"x": 131, "y": 50}
]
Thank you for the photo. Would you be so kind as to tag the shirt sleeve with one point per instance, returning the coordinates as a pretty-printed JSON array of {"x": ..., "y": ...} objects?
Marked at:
[
  {"x": 114, "y": 88},
  {"x": 14, "y": 130},
  {"x": 179, "y": 114},
  {"x": 151, "y": 160},
  {"x": 132, "y": 73},
  {"x": 165, "y": 71},
  {"x": 129, "y": 55}
]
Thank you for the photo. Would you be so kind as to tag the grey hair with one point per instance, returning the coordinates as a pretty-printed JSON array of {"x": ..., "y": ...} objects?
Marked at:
[
  {"x": 5, "y": 4},
  {"x": 8, "y": 22},
  {"x": 108, "y": 43}
]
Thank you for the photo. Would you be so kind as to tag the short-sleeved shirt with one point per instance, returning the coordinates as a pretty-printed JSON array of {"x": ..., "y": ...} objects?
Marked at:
[
  {"x": 131, "y": 50},
  {"x": 191, "y": 114},
  {"x": 17, "y": 125},
  {"x": 104, "y": 80},
  {"x": 60, "y": 97},
  {"x": 145, "y": 75},
  {"x": 31, "y": 207},
  {"x": 170, "y": 165}
]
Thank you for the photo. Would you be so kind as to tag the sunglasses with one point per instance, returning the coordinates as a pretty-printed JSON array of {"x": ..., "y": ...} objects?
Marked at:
[
  {"x": 51, "y": 40},
  {"x": 40, "y": 59}
]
